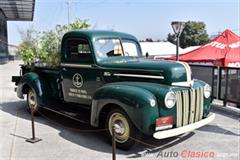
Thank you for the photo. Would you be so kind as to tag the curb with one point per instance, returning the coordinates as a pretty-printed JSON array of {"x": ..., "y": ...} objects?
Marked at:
[{"x": 227, "y": 109}]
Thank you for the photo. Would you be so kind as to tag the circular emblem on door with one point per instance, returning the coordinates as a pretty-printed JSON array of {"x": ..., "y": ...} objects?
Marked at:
[{"x": 77, "y": 80}]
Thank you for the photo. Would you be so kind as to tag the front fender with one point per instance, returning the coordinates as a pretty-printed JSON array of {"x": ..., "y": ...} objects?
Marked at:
[{"x": 135, "y": 101}]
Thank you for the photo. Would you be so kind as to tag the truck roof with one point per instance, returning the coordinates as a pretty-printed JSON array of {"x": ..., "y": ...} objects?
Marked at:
[{"x": 96, "y": 34}]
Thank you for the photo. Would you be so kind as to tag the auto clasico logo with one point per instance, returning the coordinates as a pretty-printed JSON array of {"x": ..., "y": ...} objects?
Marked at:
[
  {"x": 184, "y": 154},
  {"x": 187, "y": 154}
]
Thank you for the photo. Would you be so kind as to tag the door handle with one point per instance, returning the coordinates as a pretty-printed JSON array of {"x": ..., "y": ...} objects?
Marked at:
[{"x": 64, "y": 69}]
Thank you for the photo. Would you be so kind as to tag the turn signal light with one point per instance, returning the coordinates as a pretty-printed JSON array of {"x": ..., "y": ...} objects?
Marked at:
[{"x": 163, "y": 123}]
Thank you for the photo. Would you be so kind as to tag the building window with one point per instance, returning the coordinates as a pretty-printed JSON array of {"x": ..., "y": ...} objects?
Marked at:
[{"x": 3, "y": 36}]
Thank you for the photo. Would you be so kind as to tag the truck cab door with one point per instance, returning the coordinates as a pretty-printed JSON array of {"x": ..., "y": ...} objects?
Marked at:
[{"x": 77, "y": 71}]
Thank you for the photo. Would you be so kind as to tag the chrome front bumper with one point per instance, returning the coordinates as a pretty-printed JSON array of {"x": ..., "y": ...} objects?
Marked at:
[{"x": 184, "y": 129}]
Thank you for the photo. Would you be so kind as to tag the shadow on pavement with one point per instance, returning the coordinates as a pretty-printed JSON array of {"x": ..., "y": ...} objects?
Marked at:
[
  {"x": 71, "y": 130},
  {"x": 226, "y": 113},
  {"x": 217, "y": 129}
]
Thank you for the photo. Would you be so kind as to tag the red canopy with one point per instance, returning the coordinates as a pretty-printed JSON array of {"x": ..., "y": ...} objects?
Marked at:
[{"x": 223, "y": 50}]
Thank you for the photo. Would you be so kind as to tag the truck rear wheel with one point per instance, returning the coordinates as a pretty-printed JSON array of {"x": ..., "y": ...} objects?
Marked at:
[
  {"x": 32, "y": 101},
  {"x": 125, "y": 131}
]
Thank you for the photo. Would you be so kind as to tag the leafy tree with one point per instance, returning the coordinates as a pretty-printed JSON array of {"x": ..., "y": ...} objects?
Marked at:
[
  {"x": 28, "y": 49},
  {"x": 194, "y": 34},
  {"x": 45, "y": 46}
]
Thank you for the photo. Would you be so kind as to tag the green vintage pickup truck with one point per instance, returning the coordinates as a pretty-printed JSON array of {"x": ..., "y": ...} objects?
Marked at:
[{"x": 104, "y": 80}]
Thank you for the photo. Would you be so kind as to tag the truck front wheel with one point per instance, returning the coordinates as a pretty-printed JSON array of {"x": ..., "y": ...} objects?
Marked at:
[
  {"x": 125, "y": 131},
  {"x": 32, "y": 101}
]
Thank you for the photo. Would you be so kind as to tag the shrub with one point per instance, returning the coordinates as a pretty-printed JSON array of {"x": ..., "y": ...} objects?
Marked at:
[{"x": 44, "y": 47}]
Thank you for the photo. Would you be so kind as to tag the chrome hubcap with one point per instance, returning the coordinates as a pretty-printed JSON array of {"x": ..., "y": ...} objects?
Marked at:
[
  {"x": 119, "y": 128},
  {"x": 122, "y": 129}
]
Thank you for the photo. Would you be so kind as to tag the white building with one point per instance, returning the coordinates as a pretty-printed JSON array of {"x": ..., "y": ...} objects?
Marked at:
[
  {"x": 163, "y": 49},
  {"x": 188, "y": 49}
]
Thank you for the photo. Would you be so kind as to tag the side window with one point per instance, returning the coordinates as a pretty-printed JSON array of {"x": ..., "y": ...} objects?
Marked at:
[{"x": 78, "y": 50}]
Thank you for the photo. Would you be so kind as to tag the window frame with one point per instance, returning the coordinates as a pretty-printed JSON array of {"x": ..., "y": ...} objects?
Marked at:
[
  {"x": 120, "y": 39},
  {"x": 66, "y": 54}
]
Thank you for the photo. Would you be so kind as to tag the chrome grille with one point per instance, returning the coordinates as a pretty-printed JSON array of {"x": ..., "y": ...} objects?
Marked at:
[{"x": 189, "y": 106}]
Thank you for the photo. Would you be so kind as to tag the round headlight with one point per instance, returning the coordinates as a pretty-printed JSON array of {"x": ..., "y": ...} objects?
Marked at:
[
  {"x": 170, "y": 99},
  {"x": 207, "y": 91}
]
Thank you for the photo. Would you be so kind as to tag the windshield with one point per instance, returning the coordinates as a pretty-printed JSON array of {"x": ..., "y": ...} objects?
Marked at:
[{"x": 106, "y": 48}]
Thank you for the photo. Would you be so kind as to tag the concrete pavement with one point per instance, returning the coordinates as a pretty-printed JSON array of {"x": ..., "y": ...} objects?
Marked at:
[{"x": 61, "y": 140}]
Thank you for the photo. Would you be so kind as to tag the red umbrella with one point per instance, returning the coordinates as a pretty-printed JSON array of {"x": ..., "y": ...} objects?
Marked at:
[
  {"x": 232, "y": 58},
  {"x": 223, "y": 50}
]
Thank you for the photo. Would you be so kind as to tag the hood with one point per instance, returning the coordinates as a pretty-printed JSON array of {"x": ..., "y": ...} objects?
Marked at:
[{"x": 142, "y": 69}]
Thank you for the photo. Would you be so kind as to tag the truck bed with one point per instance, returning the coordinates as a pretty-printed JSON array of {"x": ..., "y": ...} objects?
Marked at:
[{"x": 50, "y": 77}]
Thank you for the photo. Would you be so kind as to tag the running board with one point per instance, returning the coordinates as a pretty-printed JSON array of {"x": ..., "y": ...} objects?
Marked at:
[{"x": 81, "y": 115}]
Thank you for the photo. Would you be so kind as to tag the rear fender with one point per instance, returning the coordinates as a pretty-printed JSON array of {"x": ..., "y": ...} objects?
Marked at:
[{"x": 30, "y": 80}]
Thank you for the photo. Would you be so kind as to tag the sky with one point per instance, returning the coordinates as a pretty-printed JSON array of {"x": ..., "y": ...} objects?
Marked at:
[{"x": 142, "y": 18}]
